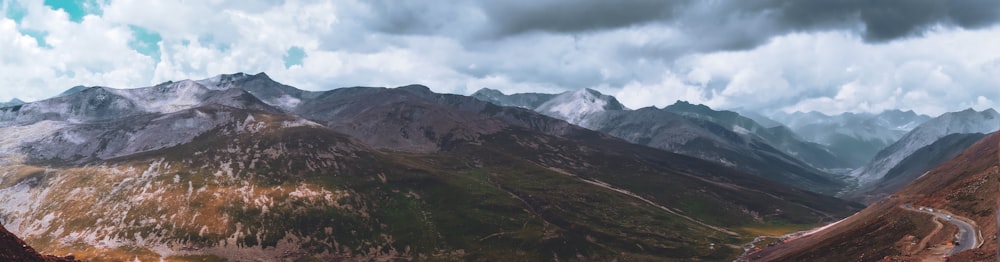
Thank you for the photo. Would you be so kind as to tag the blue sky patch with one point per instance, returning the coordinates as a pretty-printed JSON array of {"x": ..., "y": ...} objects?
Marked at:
[
  {"x": 145, "y": 42},
  {"x": 209, "y": 40},
  {"x": 38, "y": 35},
  {"x": 294, "y": 56},
  {"x": 77, "y": 9},
  {"x": 15, "y": 11}
]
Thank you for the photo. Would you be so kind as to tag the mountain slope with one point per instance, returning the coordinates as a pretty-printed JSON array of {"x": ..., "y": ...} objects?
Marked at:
[
  {"x": 73, "y": 90},
  {"x": 262, "y": 87},
  {"x": 706, "y": 140},
  {"x": 965, "y": 187},
  {"x": 576, "y": 107},
  {"x": 13, "y": 248},
  {"x": 855, "y": 137},
  {"x": 693, "y": 134},
  {"x": 202, "y": 171},
  {"x": 522, "y": 100},
  {"x": 779, "y": 137},
  {"x": 914, "y": 165},
  {"x": 11, "y": 103},
  {"x": 963, "y": 122}
]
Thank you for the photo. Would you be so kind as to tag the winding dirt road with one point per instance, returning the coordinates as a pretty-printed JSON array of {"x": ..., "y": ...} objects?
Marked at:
[{"x": 966, "y": 238}]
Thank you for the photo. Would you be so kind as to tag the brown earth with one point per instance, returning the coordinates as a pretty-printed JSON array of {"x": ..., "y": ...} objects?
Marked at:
[
  {"x": 13, "y": 248},
  {"x": 966, "y": 186}
]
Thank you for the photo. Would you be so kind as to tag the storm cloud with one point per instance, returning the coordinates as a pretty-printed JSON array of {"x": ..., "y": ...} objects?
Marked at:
[
  {"x": 745, "y": 23},
  {"x": 889, "y": 19}
]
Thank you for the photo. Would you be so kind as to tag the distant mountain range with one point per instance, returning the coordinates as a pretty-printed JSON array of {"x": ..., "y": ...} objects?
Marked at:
[
  {"x": 241, "y": 167},
  {"x": 779, "y": 136},
  {"x": 878, "y": 153},
  {"x": 720, "y": 136},
  {"x": 919, "y": 222},
  {"x": 853, "y": 137},
  {"x": 12, "y": 102},
  {"x": 913, "y": 166},
  {"x": 923, "y": 148}
]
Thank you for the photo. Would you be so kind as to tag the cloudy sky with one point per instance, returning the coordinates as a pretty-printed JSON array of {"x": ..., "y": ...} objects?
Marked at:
[{"x": 829, "y": 56}]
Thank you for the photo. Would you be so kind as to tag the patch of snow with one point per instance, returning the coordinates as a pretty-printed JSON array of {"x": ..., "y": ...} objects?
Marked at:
[
  {"x": 182, "y": 95},
  {"x": 299, "y": 122},
  {"x": 212, "y": 82},
  {"x": 73, "y": 137},
  {"x": 250, "y": 125},
  {"x": 17, "y": 202},
  {"x": 11, "y": 138},
  {"x": 575, "y": 106},
  {"x": 220, "y": 82},
  {"x": 285, "y": 102},
  {"x": 740, "y": 130}
]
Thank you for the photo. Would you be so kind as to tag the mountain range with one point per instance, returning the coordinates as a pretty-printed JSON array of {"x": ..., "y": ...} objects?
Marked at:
[
  {"x": 854, "y": 137},
  {"x": 241, "y": 167},
  {"x": 913, "y": 166},
  {"x": 924, "y": 139},
  {"x": 720, "y": 136},
  {"x": 948, "y": 214},
  {"x": 12, "y": 102},
  {"x": 859, "y": 156}
]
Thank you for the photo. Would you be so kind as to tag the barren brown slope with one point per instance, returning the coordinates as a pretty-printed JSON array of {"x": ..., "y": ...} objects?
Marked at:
[
  {"x": 966, "y": 186},
  {"x": 13, "y": 248}
]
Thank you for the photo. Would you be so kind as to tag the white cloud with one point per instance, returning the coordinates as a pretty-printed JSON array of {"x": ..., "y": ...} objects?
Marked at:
[
  {"x": 350, "y": 43},
  {"x": 668, "y": 90},
  {"x": 835, "y": 72},
  {"x": 92, "y": 52}
]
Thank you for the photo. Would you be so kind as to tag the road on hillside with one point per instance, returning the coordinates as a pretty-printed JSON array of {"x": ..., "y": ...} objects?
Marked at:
[{"x": 966, "y": 232}]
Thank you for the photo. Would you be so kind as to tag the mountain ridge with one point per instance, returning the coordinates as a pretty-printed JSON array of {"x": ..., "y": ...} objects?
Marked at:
[
  {"x": 701, "y": 137},
  {"x": 856, "y": 137},
  {"x": 362, "y": 173},
  {"x": 12, "y": 102},
  {"x": 965, "y": 187},
  {"x": 962, "y": 122}
]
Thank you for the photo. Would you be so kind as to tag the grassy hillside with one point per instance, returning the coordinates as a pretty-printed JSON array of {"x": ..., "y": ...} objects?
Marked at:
[
  {"x": 966, "y": 187},
  {"x": 264, "y": 190}
]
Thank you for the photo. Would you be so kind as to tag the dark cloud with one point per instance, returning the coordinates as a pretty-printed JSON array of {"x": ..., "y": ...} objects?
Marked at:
[
  {"x": 490, "y": 20},
  {"x": 413, "y": 17},
  {"x": 886, "y": 20},
  {"x": 726, "y": 25},
  {"x": 572, "y": 16}
]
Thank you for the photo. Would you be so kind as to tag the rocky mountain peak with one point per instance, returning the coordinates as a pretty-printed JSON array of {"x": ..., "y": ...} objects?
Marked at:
[
  {"x": 575, "y": 106},
  {"x": 224, "y": 81},
  {"x": 12, "y": 102},
  {"x": 488, "y": 92},
  {"x": 416, "y": 89}
]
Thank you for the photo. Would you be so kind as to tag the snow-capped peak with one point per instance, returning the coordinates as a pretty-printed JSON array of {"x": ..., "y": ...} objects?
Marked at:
[
  {"x": 575, "y": 106},
  {"x": 167, "y": 98},
  {"x": 223, "y": 81}
]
